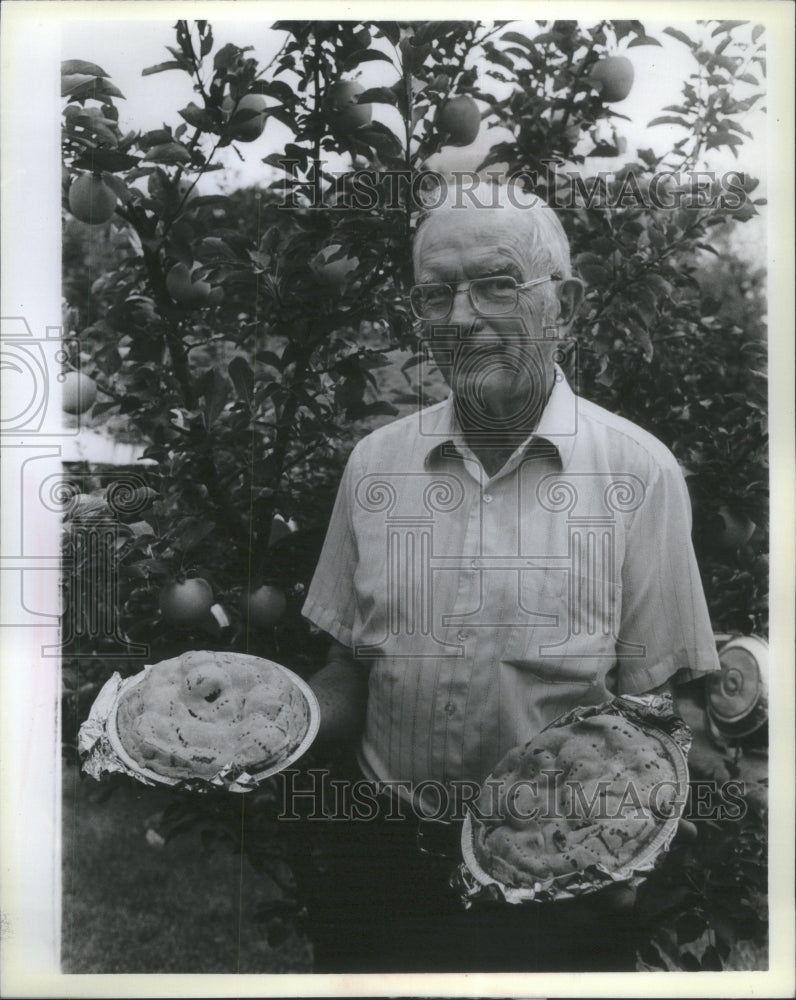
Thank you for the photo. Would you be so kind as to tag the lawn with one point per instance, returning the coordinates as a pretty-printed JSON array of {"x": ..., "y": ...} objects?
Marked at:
[{"x": 133, "y": 905}]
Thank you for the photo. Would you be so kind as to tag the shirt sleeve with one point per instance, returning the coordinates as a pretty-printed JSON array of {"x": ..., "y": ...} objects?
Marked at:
[
  {"x": 331, "y": 598},
  {"x": 663, "y": 604}
]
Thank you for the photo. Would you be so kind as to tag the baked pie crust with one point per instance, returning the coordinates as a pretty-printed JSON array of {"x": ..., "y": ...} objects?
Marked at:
[
  {"x": 204, "y": 712},
  {"x": 594, "y": 792}
]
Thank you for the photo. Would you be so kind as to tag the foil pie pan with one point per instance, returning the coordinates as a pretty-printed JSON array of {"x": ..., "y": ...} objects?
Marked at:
[
  {"x": 103, "y": 752},
  {"x": 654, "y": 715}
]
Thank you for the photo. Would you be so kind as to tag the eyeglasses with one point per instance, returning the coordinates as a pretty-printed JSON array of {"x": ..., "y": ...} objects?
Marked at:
[{"x": 493, "y": 296}]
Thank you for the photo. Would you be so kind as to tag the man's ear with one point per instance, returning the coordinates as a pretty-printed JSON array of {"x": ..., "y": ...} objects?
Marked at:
[{"x": 570, "y": 296}]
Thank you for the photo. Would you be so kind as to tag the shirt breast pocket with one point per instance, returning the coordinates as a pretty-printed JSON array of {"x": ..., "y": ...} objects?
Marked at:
[{"x": 570, "y": 634}]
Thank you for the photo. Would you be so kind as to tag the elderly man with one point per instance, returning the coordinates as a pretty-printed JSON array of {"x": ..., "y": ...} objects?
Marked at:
[{"x": 492, "y": 562}]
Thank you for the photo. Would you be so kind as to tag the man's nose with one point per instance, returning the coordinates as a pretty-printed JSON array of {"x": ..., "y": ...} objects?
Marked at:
[{"x": 462, "y": 312}]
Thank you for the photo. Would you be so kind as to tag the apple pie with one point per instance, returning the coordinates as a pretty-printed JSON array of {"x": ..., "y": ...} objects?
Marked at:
[
  {"x": 593, "y": 792},
  {"x": 203, "y": 712}
]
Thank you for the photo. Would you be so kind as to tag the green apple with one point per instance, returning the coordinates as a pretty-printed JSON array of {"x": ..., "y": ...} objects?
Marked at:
[
  {"x": 343, "y": 111},
  {"x": 460, "y": 119},
  {"x": 91, "y": 200},
  {"x": 613, "y": 77}
]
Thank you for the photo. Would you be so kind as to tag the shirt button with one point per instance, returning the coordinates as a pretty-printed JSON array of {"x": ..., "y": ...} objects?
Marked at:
[
  {"x": 487, "y": 498},
  {"x": 461, "y": 635},
  {"x": 475, "y": 564},
  {"x": 450, "y": 708}
]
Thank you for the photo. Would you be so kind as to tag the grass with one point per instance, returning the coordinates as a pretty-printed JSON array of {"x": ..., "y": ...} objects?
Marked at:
[{"x": 134, "y": 907}]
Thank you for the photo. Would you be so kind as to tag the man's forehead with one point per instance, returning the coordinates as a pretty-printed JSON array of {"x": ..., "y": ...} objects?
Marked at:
[{"x": 489, "y": 233}]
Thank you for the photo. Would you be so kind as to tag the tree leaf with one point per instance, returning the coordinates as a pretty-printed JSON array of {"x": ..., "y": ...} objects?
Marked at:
[
  {"x": 108, "y": 159},
  {"x": 213, "y": 247},
  {"x": 275, "y": 88},
  {"x": 162, "y": 67},
  {"x": 108, "y": 360},
  {"x": 669, "y": 120},
  {"x": 96, "y": 88},
  {"x": 197, "y": 117},
  {"x": 518, "y": 39},
  {"x": 215, "y": 389},
  {"x": 389, "y": 29},
  {"x": 169, "y": 153},
  {"x": 207, "y": 43},
  {"x": 242, "y": 378},
  {"x": 358, "y": 410},
  {"x": 643, "y": 40},
  {"x": 98, "y": 128},
  {"x": 726, "y": 26},
  {"x": 381, "y": 138},
  {"x": 680, "y": 36},
  {"x": 365, "y": 55},
  {"x": 499, "y": 58},
  {"x": 190, "y": 531},
  {"x": 282, "y": 162},
  {"x": 378, "y": 95},
  {"x": 225, "y": 57},
  {"x": 72, "y": 83},
  {"x": 71, "y": 66},
  {"x": 155, "y": 137}
]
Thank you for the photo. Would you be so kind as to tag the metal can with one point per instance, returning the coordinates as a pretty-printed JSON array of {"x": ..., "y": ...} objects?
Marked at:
[{"x": 737, "y": 697}]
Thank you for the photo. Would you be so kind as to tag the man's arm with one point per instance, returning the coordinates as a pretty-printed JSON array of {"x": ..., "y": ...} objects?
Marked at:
[
  {"x": 705, "y": 759},
  {"x": 341, "y": 687}
]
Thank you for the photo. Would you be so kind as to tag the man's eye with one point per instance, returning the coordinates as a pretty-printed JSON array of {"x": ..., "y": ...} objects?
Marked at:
[
  {"x": 501, "y": 283},
  {"x": 497, "y": 288},
  {"x": 436, "y": 294}
]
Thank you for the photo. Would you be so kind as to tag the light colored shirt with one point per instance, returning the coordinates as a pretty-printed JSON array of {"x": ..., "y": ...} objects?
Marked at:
[{"x": 487, "y": 607}]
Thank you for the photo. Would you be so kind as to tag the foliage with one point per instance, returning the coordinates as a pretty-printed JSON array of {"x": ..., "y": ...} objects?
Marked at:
[
  {"x": 708, "y": 895},
  {"x": 249, "y": 399}
]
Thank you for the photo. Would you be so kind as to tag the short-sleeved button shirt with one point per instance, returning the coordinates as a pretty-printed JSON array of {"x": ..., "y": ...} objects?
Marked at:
[{"x": 484, "y": 607}]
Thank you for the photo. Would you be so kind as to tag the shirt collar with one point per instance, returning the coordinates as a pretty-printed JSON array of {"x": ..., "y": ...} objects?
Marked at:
[{"x": 557, "y": 425}]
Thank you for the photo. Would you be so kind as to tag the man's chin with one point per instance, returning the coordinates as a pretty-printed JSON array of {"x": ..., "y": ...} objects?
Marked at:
[{"x": 495, "y": 400}]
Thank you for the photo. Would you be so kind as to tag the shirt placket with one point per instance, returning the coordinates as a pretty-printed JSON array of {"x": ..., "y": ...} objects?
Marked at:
[
  {"x": 467, "y": 680},
  {"x": 454, "y": 671}
]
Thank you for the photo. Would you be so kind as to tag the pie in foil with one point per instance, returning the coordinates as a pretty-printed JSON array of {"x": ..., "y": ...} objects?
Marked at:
[
  {"x": 593, "y": 792},
  {"x": 202, "y": 712}
]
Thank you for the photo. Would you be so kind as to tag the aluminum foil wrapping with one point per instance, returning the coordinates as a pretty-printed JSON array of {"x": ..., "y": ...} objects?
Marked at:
[
  {"x": 102, "y": 752},
  {"x": 652, "y": 713}
]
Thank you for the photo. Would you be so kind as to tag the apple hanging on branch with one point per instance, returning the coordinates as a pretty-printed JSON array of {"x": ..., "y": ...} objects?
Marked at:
[
  {"x": 263, "y": 607},
  {"x": 343, "y": 111},
  {"x": 78, "y": 393},
  {"x": 91, "y": 200},
  {"x": 613, "y": 77},
  {"x": 460, "y": 120},
  {"x": 247, "y": 121},
  {"x": 189, "y": 293},
  {"x": 186, "y": 603}
]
